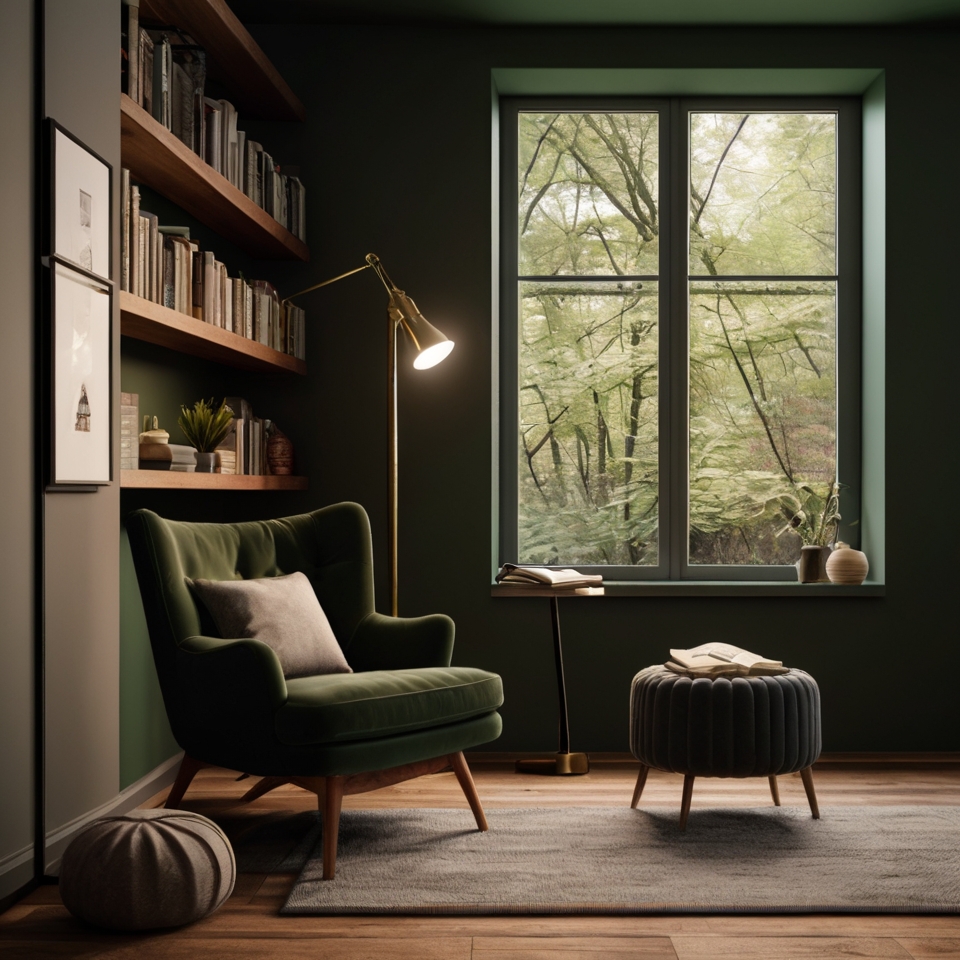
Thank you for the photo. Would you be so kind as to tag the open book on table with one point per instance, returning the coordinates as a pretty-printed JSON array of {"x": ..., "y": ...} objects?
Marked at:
[
  {"x": 722, "y": 660},
  {"x": 518, "y": 576}
]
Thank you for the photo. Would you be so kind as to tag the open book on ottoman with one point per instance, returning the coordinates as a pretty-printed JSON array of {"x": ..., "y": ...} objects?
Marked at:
[{"x": 722, "y": 660}]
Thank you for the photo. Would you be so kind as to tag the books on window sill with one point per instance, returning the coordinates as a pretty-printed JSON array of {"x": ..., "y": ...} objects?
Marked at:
[
  {"x": 165, "y": 72},
  {"x": 163, "y": 264},
  {"x": 561, "y": 580},
  {"x": 722, "y": 660}
]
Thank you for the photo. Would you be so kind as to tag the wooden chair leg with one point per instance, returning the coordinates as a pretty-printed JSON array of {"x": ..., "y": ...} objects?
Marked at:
[
  {"x": 329, "y": 802},
  {"x": 469, "y": 788},
  {"x": 262, "y": 786},
  {"x": 188, "y": 770},
  {"x": 806, "y": 775},
  {"x": 641, "y": 781},
  {"x": 774, "y": 791},
  {"x": 685, "y": 802}
]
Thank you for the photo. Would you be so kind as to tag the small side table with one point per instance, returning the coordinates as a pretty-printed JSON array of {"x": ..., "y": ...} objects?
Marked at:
[{"x": 564, "y": 763}]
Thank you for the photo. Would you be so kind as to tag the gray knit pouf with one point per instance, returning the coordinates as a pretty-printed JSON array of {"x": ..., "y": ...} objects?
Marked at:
[
  {"x": 147, "y": 869},
  {"x": 725, "y": 727}
]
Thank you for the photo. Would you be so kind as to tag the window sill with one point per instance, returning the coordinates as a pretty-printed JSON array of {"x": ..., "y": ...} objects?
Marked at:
[{"x": 712, "y": 588}]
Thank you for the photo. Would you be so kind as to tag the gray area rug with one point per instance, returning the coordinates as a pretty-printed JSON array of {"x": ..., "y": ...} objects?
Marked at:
[{"x": 604, "y": 860}]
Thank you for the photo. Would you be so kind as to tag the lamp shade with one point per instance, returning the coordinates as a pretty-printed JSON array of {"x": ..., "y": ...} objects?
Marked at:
[{"x": 431, "y": 345}]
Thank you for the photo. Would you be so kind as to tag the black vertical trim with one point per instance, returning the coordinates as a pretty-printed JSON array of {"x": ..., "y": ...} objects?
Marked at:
[{"x": 41, "y": 410}]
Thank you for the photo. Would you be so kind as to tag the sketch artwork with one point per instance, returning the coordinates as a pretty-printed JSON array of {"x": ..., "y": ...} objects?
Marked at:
[{"x": 85, "y": 256}]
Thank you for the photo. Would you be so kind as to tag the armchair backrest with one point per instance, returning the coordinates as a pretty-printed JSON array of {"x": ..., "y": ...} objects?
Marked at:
[{"x": 331, "y": 546}]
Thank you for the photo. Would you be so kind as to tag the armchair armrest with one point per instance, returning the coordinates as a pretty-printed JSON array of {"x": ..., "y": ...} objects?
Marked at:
[
  {"x": 401, "y": 643},
  {"x": 250, "y": 664},
  {"x": 224, "y": 701}
]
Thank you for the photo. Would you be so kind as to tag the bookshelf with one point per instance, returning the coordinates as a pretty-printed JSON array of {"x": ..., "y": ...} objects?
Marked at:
[
  {"x": 154, "y": 323},
  {"x": 234, "y": 58},
  {"x": 158, "y": 159},
  {"x": 174, "y": 480}
]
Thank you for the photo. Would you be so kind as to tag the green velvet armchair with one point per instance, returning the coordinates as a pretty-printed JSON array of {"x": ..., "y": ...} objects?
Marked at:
[{"x": 404, "y": 710}]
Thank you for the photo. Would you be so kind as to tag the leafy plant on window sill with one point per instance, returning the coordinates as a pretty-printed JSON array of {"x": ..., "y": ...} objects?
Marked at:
[{"x": 813, "y": 516}]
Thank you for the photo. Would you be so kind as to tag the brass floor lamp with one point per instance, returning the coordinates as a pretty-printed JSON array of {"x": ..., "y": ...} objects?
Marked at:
[{"x": 431, "y": 346}]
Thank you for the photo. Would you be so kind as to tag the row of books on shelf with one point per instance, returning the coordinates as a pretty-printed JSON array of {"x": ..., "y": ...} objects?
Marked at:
[
  {"x": 243, "y": 450},
  {"x": 162, "y": 264},
  {"x": 165, "y": 72}
]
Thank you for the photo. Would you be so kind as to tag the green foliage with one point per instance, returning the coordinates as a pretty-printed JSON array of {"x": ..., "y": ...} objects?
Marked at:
[
  {"x": 762, "y": 383},
  {"x": 204, "y": 426},
  {"x": 812, "y": 515}
]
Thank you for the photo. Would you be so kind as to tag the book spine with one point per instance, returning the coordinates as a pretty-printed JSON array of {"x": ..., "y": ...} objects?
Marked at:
[
  {"x": 197, "y": 286},
  {"x": 125, "y": 229},
  {"x": 169, "y": 274},
  {"x": 133, "y": 245},
  {"x": 133, "y": 51}
]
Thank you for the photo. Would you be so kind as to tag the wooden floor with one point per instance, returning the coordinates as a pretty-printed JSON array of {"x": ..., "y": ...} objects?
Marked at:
[{"x": 249, "y": 925}]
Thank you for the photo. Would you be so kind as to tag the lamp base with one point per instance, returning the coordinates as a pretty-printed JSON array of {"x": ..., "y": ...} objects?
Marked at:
[{"x": 562, "y": 764}]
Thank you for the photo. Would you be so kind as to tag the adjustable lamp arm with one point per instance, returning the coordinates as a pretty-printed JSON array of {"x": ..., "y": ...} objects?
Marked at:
[{"x": 431, "y": 346}]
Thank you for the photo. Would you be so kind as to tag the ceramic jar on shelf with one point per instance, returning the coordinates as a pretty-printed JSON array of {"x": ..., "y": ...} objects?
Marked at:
[
  {"x": 846, "y": 565},
  {"x": 811, "y": 567}
]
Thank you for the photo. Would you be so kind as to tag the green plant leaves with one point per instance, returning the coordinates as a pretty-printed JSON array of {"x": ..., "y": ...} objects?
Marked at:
[{"x": 204, "y": 426}]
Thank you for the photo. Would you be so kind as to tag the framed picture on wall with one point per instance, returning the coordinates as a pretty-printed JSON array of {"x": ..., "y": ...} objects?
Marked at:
[
  {"x": 80, "y": 203},
  {"x": 80, "y": 373}
]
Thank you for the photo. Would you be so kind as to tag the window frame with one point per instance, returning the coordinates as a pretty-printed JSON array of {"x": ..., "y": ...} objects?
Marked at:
[{"x": 673, "y": 564}]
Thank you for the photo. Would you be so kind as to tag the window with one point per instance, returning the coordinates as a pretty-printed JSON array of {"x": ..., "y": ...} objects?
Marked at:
[{"x": 680, "y": 361}]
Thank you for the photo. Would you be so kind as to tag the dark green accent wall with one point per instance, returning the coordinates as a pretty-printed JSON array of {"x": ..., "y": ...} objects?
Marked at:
[{"x": 396, "y": 158}]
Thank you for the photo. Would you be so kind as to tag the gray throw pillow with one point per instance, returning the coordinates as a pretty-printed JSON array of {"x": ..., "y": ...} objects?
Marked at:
[{"x": 284, "y": 613}]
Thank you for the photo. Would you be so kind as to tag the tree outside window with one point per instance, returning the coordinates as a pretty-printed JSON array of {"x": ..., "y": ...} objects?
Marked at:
[{"x": 610, "y": 319}]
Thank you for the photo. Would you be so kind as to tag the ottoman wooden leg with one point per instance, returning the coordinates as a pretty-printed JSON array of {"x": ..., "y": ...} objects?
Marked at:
[
  {"x": 774, "y": 791},
  {"x": 806, "y": 775},
  {"x": 685, "y": 802},
  {"x": 638, "y": 789}
]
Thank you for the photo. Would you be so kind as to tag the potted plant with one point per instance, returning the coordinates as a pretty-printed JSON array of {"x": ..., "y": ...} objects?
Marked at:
[
  {"x": 814, "y": 516},
  {"x": 205, "y": 428}
]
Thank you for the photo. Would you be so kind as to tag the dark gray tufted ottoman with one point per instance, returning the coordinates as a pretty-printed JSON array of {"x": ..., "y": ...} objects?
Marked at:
[{"x": 725, "y": 727}]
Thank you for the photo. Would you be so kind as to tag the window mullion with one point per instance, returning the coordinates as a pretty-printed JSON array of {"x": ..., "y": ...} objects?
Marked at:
[{"x": 674, "y": 477}]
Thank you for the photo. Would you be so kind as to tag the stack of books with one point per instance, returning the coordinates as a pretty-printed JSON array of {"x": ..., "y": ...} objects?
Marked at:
[
  {"x": 129, "y": 430},
  {"x": 562, "y": 581},
  {"x": 245, "y": 447}
]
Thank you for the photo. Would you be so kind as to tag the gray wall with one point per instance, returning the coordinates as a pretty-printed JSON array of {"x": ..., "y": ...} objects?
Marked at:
[
  {"x": 17, "y": 557},
  {"x": 82, "y": 530}
]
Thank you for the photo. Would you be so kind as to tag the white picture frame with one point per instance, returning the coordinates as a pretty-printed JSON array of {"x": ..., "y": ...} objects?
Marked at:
[
  {"x": 81, "y": 203},
  {"x": 81, "y": 377}
]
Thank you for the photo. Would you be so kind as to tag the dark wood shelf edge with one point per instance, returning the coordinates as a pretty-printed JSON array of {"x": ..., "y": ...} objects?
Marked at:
[
  {"x": 158, "y": 159},
  {"x": 175, "y": 480},
  {"x": 235, "y": 58},
  {"x": 153, "y": 323}
]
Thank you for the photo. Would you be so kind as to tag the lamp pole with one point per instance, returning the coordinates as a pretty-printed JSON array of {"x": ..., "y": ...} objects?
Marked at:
[
  {"x": 431, "y": 346},
  {"x": 392, "y": 456}
]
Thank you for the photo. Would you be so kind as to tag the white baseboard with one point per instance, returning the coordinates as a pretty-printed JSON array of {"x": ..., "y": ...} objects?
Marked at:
[
  {"x": 16, "y": 870},
  {"x": 156, "y": 780}
]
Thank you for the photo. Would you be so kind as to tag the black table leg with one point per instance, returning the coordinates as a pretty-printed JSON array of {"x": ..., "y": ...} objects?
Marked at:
[{"x": 565, "y": 762}]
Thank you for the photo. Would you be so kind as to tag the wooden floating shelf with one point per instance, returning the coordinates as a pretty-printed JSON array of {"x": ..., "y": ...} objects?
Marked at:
[
  {"x": 233, "y": 56},
  {"x": 145, "y": 320},
  {"x": 175, "y": 480},
  {"x": 157, "y": 158}
]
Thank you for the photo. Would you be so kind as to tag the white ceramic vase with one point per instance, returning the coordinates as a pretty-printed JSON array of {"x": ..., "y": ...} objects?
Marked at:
[{"x": 846, "y": 565}]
